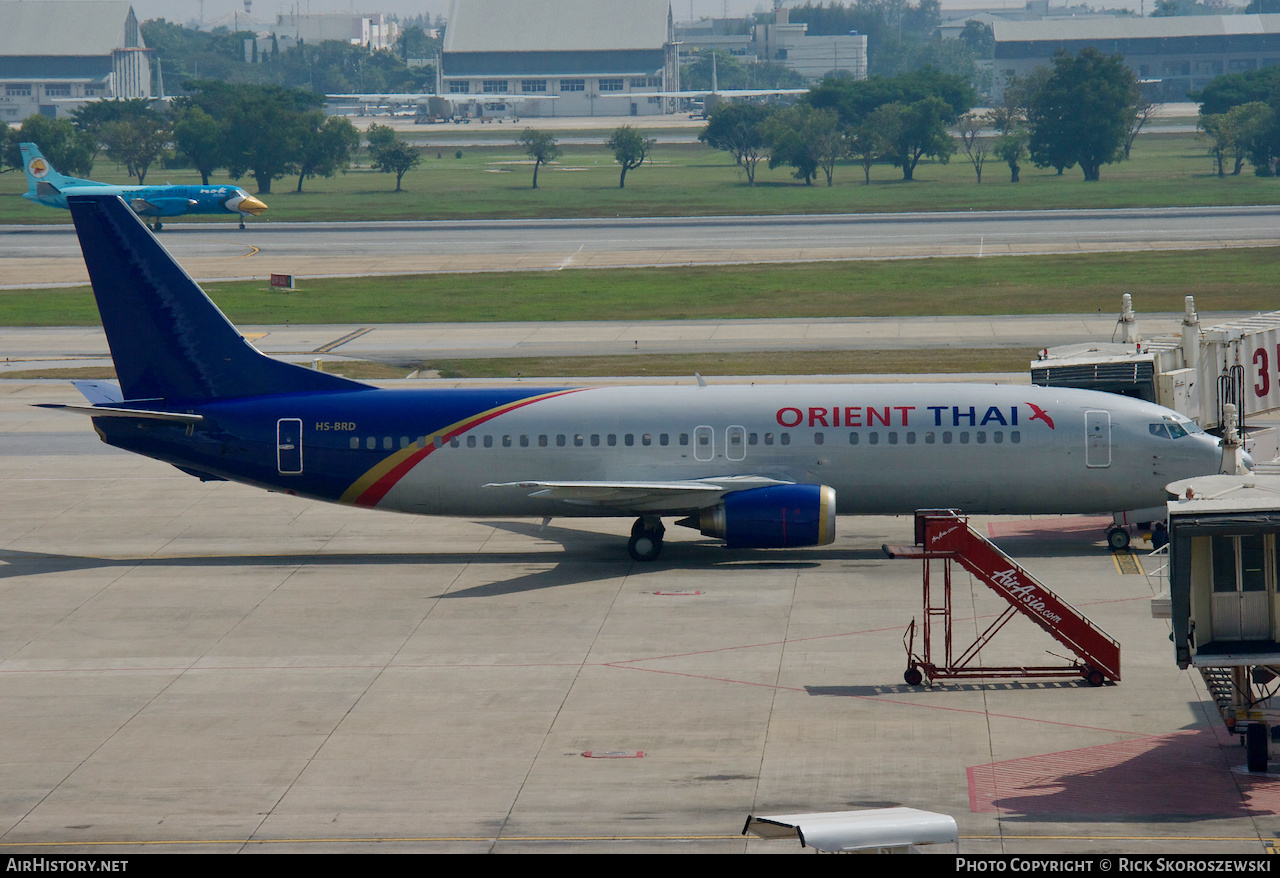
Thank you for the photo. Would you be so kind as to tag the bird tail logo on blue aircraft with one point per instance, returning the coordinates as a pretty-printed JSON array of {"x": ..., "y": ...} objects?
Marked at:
[{"x": 43, "y": 180}]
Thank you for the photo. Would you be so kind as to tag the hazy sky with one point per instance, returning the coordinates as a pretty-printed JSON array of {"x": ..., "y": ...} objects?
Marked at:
[{"x": 184, "y": 11}]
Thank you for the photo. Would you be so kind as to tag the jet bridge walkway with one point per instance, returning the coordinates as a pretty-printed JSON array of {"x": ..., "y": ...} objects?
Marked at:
[{"x": 944, "y": 534}]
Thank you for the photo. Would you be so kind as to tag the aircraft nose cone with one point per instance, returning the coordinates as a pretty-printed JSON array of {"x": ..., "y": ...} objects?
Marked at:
[{"x": 252, "y": 205}]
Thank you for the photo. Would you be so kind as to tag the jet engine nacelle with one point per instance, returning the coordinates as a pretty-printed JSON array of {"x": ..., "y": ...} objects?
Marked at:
[
  {"x": 771, "y": 518},
  {"x": 163, "y": 206}
]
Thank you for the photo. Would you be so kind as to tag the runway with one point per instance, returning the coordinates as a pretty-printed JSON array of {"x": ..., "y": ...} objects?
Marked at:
[
  {"x": 204, "y": 667},
  {"x": 42, "y": 255}
]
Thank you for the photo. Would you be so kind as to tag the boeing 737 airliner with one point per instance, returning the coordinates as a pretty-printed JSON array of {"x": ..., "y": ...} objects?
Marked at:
[
  {"x": 755, "y": 466},
  {"x": 46, "y": 186}
]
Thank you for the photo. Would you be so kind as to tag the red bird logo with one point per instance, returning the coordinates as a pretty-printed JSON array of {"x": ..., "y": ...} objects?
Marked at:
[{"x": 1040, "y": 414}]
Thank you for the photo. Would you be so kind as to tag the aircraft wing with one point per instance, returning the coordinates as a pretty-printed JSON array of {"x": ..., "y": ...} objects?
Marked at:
[{"x": 672, "y": 496}]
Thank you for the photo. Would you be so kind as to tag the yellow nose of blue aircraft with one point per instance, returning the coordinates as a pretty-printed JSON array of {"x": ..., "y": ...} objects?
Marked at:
[{"x": 252, "y": 205}]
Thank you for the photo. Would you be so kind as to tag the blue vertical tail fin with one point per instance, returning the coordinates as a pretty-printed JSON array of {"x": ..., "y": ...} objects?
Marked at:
[{"x": 167, "y": 338}]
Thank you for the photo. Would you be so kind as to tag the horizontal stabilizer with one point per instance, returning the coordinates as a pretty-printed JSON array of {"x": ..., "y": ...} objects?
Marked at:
[
  {"x": 104, "y": 411},
  {"x": 99, "y": 391}
]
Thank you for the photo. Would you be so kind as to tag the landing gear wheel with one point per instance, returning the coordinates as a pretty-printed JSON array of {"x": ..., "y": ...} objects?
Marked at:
[
  {"x": 913, "y": 677},
  {"x": 1255, "y": 740},
  {"x": 157, "y": 226},
  {"x": 645, "y": 546},
  {"x": 242, "y": 225},
  {"x": 1095, "y": 677},
  {"x": 1118, "y": 539}
]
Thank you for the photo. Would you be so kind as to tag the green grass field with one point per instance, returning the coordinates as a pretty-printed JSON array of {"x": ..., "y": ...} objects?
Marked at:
[
  {"x": 1221, "y": 280},
  {"x": 691, "y": 179}
]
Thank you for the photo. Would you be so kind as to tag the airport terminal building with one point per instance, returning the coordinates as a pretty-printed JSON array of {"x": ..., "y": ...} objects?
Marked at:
[
  {"x": 602, "y": 57},
  {"x": 57, "y": 55},
  {"x": 1171, "y": 56}
]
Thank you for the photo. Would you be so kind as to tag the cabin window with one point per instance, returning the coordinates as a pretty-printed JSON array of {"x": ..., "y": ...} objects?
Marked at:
[
  {"x": 768, "y": 438},
  {"x": 386, "y": 443},
  {"x": 684, "y": 438},
  {"x": 964, "y": 437},
  {"x": 628, "y": 440},
  {"x": 560, "y": 440},
  {"x": 471, "y": 441},
  {"x": 355, "y": 442},
  {"x": 930, "y": 438},
  {"x": 1015, "y": 436},
  {"x": 784, "y": 438},
  {"x": 911, "y": 438},
  {"x": 664, "y": 439},
  {"x": 422, "y": 441},
  {"x": 577, "y": 440},
  {"x": 982, "y": 437},
  {"x": 753, "y": 439},
  {"x": 506, "y": 441},
  {"x": 542, "y": 441},
  {"x": 893, "y": 437},
  {"x": 853, "y": 438},
  {"x": 404, "y": 441},
  {"x": 453, "y": 443},
  {"x": 612, "y": 440},
  {"x": 595, "y": 440},
  {"x": 646, "y": 439},
  {"x": 873, "y": 437},
  {"x": 818, "y": 438},
  {"x": 997, "y": 436},
  {"x": 524, "y": 441}
]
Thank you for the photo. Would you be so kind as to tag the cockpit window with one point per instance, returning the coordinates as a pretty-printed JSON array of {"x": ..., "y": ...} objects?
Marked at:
[{"x": 1172, "y": 428}]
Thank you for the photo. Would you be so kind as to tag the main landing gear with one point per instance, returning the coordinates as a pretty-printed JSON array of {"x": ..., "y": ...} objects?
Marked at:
[
  {"x": 646, "y": 538},
  {"x": 157, "y": 226},
  {"x": 242, "y": 224}
]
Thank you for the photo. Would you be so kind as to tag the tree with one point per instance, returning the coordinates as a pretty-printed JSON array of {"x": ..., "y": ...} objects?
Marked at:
[
  {"x": 263, "y": 126},
  {"x": 398, "y": 158},
  {"x": 197, "y": 137},
  {"x": 1081, "y": 115},
  {"x": 1142, "y": 113},
  {"x": 133, "y": 132},
  {"x": 67, "y": 148},
  {"x": 807, "y": 140},
  {"x": 913, "y": 131},
  {"x": 865, "y": 145},
  {"x": 1011, "y": 146},
  {"x": 540, "y": 146},
  {"x": 738, "y": 129},
  {"x": 970, "y": 131},
  {"x": 630, "y": 149},
  {"x": 326, "y": 146}
]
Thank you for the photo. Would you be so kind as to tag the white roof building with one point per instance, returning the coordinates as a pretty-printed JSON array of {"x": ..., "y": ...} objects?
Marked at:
[
  {"x": 602, "y": 57},
  {"x": 55, "y": 55},
  {"x": 1171, "y": 55}
]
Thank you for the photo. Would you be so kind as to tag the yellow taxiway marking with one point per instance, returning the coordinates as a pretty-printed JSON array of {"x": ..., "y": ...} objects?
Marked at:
[
  {"x": 1127, "y": 562},
  {"x": 253, "y": 251},
  {"x": 254, "y": 336},
  {"x": 350, "y": 336}
]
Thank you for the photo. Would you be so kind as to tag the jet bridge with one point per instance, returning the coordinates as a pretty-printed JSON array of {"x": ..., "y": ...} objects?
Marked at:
[
  {"x": 1224, "y": 581},
  {"x": 945, "y": 535},
  {"x": 1197, "y": 372}
]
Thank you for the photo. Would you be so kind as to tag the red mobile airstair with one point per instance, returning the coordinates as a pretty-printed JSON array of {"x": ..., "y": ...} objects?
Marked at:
[{"x": 944, "y": 534}]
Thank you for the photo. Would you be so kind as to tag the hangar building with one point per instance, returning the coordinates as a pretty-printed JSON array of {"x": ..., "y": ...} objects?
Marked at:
[
  {"x": 1171, "y": 55},
  {"x": 602, "y": 57},
  {"x": 59, "y": 54}
]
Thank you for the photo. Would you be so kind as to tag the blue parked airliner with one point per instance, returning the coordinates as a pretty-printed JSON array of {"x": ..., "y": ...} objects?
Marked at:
[
  {"x": 761, "y": 466},
  {"x": 46, "y": 186}
]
